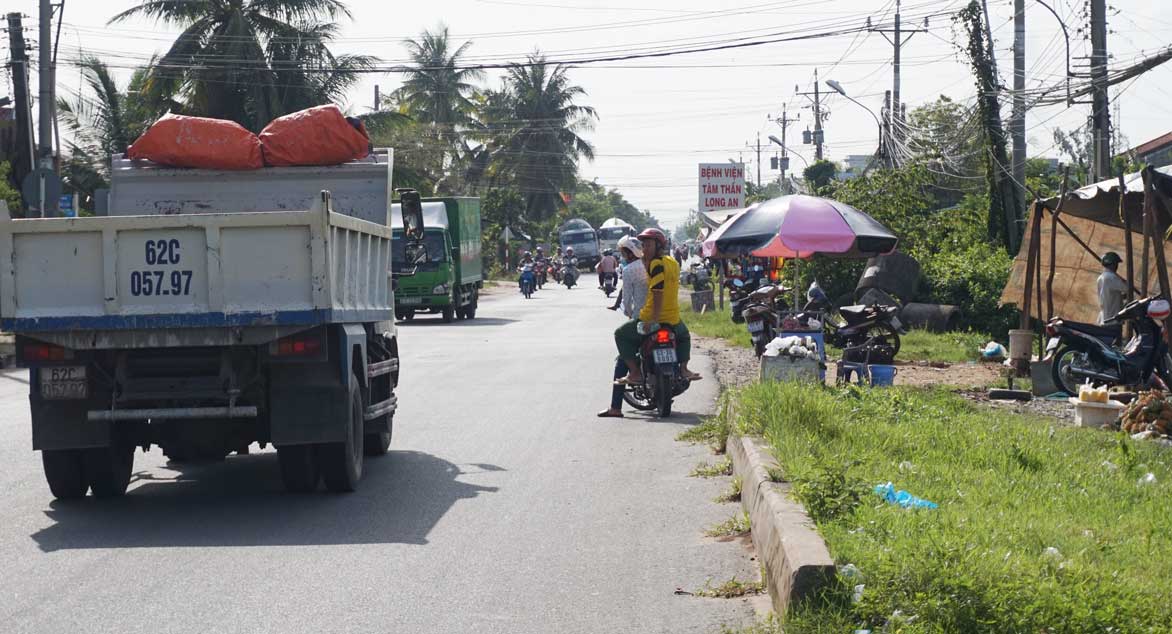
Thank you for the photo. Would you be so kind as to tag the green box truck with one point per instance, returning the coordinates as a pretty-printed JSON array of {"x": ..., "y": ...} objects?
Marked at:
[{"x": 449, "y": 282}]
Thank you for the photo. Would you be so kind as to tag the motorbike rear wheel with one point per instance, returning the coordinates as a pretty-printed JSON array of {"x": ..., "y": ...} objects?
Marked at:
[
  {"x": 1060, "y": 370},
  {"x": 883, "y": 334},
  {"x": 664, "y": 391}
]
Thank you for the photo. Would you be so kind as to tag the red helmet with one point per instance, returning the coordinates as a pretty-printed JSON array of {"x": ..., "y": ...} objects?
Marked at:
[{"x": 654, "y": 234}]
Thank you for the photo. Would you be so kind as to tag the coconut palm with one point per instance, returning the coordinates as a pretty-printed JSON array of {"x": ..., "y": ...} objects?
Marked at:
[
  {"x": 221, "y": 65},
  {"x": 536, "y": 129}
]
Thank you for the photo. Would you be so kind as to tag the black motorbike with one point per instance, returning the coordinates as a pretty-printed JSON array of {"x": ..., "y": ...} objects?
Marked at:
[
  {"x": 1080, "y": 352},
  {"x": 662, "y": 379},
  {"x": 865, "y": 332},
  {"x": 569, "y": 275},
  {"x": 609, "y": 282},
  {"x": 763, "y": 314}
]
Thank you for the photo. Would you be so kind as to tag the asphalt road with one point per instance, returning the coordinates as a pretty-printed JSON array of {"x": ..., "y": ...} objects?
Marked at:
[{"x": 504, "y": 506}]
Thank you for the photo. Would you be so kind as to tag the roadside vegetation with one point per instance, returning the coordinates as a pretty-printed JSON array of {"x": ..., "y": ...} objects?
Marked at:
[
  {"x": 1039, "y": 528},
  {"x": 711, "y": 470},
  {"x": 736, "y": 525}
]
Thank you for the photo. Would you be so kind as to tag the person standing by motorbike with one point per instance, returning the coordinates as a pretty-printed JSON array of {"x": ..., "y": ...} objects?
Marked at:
[
  {"x": 631, "y": 298},
  {"x": 1111, "y": 288},
  {"x": 661, "y": 308}
]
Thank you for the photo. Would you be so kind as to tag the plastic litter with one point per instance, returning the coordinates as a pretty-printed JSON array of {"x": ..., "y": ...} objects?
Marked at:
[
  {"x": 903, "y": 498},
  {"x": 1052, "y": 553},
  {"x": 1149, "y": 478},
  {"x": 994, "y": 351},
  {"x": 182, "y": 141},
  {"x": 857, "y": 595},
  {"x": 850, "y": 571},
  {"x": 315, "y": 136}
]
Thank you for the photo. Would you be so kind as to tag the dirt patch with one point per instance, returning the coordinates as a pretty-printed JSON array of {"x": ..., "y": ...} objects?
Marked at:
[{"x": 736, "y": 366}]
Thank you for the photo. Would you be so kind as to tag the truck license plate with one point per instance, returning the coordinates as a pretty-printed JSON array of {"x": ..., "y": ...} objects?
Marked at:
[
  {"x": 664, "y": 355},
  {"x": 756, "y": 326},
  {"x": 410, "y": 301},
  {"x": 65, "y": 382}
]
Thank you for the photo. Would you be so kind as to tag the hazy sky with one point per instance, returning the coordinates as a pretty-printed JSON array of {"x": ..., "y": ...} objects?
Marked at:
[{"x": 660, "y": 117}]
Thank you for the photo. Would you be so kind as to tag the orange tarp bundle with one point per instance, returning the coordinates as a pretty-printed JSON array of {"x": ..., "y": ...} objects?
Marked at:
[
  {"x": 182, "y": 141},
  {"x": 315, "y": 136}
]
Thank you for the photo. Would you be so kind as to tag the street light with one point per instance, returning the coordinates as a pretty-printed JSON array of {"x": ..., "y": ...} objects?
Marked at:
[
  {"x": 778, "y": 142},
  {"x": 837, "y": 87}
]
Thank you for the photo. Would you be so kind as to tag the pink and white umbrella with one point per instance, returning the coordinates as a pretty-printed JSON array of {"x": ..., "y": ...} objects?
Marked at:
[{"x": 801, "y": 226}]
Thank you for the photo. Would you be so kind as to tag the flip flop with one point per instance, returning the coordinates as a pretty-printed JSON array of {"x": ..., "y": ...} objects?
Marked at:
[
  {"x": 606, "y": 413},
  {"x": 625, "y": 381},
  {"x": 693, "y": 376}
]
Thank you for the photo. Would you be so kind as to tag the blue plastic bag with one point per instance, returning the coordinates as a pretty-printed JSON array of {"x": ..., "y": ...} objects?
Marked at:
[{"x": 902, "y": 498}]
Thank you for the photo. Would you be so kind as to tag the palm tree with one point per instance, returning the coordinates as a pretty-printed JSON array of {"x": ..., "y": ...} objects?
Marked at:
[
  {"x": 438, "y": 93},
  {"x": 222, "y": 64},
  {"x": 103, "y": 123},
  {"x": 536, "y": 126}
]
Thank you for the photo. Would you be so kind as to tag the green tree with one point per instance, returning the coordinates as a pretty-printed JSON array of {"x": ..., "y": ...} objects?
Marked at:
[
  {"x": 947, "y": 138},
  {"x": 438, "y": 93},
  {"x": 8, "y": 193},
  {"x": 820, "y": 176},
  {"x": 249, "y": 61},
  {"x": 535, "y": 124}
]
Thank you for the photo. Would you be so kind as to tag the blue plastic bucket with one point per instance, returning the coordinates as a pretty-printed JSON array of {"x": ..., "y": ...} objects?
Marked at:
[{"x": 882, "y": 374}]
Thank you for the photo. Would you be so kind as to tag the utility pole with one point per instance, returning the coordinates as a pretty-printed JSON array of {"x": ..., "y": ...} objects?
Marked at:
[
  {"x": 818, "y": 136},
  {"x": 1017, "y": 127},
  {"x": 783, "y": 162},
  {"x": 758, "y": 161},
  {"x": 897, "y": 41},
  {"x": 47, "y": 205},
  {"x": 24, "y": 160},
  {"x": 376, "y": 99},
  {"x": 1100, "y": 113}
]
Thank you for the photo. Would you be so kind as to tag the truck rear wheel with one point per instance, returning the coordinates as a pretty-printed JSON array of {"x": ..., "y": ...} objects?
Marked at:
[
  {"x": 108, "y": 469},
  {"x": 341, "y": 462},
  {"x": 299, "y": 470},
  {"x": 64, "y": 473}
]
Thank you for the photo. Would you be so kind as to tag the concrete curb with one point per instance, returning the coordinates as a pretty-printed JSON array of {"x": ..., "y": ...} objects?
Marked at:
[{"x": 796, "y": 560}]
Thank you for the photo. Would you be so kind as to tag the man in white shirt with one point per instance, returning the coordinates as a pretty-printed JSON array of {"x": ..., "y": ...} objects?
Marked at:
[
  {"x": 631, "y": 297},
  {"x": 1112, "y": 288}
]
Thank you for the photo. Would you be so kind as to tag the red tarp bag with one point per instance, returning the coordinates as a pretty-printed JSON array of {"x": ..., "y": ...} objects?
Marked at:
[
  {"x": 182, "y": 141},
  {"x": 316, "y": 136}
]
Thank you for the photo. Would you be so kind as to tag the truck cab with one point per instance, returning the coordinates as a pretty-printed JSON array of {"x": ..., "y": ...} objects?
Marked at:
[{"x": 449, "y": 281}]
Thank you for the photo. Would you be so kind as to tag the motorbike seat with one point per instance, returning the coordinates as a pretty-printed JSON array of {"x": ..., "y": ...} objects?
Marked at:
[
  {"x": 1095, "y": 330},
  {"x": 765, "y": 293},
  {"x": 855, "y": 310}
]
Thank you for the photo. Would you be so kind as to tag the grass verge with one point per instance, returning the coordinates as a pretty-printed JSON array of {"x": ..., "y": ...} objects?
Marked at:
[{"x": 1039, "y": 529}]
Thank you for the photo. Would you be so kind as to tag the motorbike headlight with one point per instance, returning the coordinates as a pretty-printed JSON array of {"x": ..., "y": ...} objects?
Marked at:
[{"x": 440, "y": 290}]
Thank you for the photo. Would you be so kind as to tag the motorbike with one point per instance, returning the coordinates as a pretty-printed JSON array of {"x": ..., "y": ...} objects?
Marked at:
[
  {"x": 738, "y": 294},
  {"x": 540, "y": 270},
  {"x": 867, "y": 331},
  {"x": 762, "y": 314},
  {"x": 609, "y": 283},
  {"x": 1080, "y": 352},
  {"x": 662, "y": 380},
  {"x": 528, "y": 280},
  {"x": 569, "y": 273}
]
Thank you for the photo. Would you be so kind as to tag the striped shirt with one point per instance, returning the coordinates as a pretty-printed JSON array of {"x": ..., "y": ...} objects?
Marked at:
[{"x": 663, "y": 275}]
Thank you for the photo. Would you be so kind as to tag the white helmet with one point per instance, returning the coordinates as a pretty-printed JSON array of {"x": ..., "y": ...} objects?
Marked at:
[{"x": 630, "y": 243}]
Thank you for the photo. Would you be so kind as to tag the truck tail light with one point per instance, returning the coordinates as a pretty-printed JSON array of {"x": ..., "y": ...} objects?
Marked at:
[
  {"x": 44, "y": 352},
  {"x": 302, "y": 344}
]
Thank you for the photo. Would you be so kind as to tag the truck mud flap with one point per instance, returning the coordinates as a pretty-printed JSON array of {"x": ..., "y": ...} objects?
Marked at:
[{"x": 307, "y": 404}]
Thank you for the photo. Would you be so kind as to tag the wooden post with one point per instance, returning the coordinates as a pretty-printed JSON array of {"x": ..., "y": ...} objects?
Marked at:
[
  {"x": 1127, "y": 241},
  {"x": 1153, "y": 203},
  {"x": 1053, "y": 245},
  {"x": 1035, "y": 227}
]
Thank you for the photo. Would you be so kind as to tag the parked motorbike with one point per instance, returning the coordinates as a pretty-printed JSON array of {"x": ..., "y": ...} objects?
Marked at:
[
  {"x": 528, "y": 280},
  {"x": 870, "y": 331},
  {"x": 1081, "y": 352},
  {"x": 609, "y": 283},
  {"x": 662, "y": 380},
  {"x": 738, "y": 294},
  {"x": 570, "y": 272},
  {"x": 763, "y": 314}
]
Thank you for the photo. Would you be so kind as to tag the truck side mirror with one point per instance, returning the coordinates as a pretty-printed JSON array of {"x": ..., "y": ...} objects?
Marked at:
[
  {"x": 412, "y": 209},
  {"x": 455, "y": 253}
]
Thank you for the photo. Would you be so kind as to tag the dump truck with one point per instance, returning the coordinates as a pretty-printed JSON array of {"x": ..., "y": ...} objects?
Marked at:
[
  {"x": 449, "y": 282},
  {"x": 208, "y": 311},
  {"x": 577, "y": 234}
]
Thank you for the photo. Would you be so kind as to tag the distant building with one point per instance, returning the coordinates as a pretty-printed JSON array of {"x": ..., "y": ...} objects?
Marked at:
[
  {"x": 854, "y": 165},
  {"x": 1157, "y": 152}
]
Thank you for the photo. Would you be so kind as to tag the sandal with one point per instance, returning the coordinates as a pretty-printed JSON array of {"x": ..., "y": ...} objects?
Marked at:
[
  {"x": 692, "y": 376},
  {"x": 606, "y": 413},
  {"x": 626, "y": 380}
]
